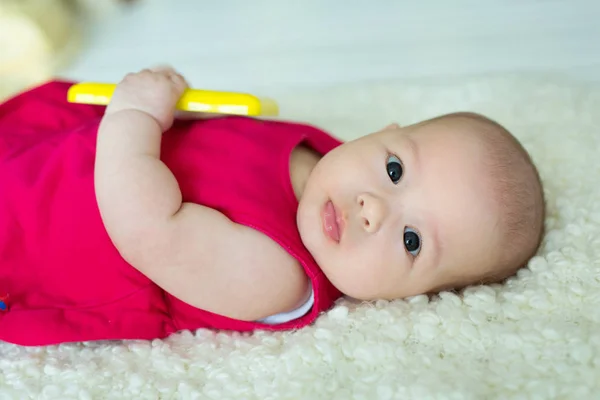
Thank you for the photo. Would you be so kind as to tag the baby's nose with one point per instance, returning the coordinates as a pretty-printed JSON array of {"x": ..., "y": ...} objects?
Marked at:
[{"x": 372, "y": 212}]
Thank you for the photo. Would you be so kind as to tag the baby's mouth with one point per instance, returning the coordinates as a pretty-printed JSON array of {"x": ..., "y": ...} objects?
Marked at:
[{"x": 331, "y": 222}]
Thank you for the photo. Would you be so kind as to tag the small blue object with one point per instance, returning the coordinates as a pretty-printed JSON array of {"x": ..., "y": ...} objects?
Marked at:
[{"x": 3, "y": 306}]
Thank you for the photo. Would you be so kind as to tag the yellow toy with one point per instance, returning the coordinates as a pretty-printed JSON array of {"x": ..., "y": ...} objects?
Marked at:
[{"x": 195, "y": 100}]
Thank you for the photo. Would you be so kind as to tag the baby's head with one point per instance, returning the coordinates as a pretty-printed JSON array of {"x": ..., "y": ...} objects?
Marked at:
[{"x": 441, "y": 204}]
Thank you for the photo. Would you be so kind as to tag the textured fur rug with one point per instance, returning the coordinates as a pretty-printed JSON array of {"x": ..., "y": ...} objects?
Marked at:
[{"x": 537, "y": 336}]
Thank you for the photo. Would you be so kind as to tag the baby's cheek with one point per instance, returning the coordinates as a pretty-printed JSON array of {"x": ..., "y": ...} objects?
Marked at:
[
  {"x": 394, "y": 268},
  {"x": 349, "y": 271},
  {"x": 377, "y": 266}
]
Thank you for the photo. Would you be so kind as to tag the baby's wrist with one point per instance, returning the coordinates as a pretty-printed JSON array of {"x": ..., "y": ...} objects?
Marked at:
[{"x": 133, "y": 113}]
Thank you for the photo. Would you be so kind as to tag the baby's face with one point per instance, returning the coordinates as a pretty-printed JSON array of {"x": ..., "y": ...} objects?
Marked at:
[{"x": 400, "y": 212}]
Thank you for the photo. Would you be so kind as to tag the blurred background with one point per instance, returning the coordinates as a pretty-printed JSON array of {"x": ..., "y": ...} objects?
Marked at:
[{"x": 259, "y": 45}]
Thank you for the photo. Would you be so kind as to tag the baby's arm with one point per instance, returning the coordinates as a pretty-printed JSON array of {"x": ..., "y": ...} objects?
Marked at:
[
  {"x": 131, "y": 181},
  {"x": 191, "y": 251}
]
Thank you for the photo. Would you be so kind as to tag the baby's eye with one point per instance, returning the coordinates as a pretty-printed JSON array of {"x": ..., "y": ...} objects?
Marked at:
[
  {"x": 412, "y": 241},
  {"x": 394, "y": 169}
]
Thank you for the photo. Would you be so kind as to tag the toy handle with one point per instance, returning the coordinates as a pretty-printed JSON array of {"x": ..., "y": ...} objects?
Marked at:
[{"x": 194, "y": 100}]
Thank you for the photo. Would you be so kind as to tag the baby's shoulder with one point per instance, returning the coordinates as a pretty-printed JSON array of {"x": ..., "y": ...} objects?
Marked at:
[{"x": 274, "y": 268}]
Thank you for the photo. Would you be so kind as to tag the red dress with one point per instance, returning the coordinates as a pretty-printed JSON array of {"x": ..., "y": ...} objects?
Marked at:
[{"x": 64, "y": 279}]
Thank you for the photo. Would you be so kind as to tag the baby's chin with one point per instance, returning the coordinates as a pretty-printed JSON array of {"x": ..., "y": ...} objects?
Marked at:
[{"x": 308, "y": 233}]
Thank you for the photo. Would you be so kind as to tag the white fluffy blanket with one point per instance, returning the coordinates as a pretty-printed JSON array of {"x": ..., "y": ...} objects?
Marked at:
[{"x": 537, "y": 336}]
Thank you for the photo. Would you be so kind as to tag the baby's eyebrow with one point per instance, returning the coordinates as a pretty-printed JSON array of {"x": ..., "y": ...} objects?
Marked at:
[
  {"x": 437, "y": 248},
  {"x": 414, "y": 150},
  {"x": 431, "y": 243}
]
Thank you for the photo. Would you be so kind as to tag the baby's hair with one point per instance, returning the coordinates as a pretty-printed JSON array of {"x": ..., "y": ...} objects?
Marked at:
[{"x": 517, "y": 186}]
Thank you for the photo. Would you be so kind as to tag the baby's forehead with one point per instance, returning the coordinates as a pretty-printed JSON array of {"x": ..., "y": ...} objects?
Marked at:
[{"x": 458, "y": 125}]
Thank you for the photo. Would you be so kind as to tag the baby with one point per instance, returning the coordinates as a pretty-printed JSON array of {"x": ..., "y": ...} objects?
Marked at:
[{"x": 130, "y": 225}]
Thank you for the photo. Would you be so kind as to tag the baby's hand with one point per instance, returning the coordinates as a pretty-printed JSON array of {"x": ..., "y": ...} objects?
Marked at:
[{"x": 154, "y": 92}]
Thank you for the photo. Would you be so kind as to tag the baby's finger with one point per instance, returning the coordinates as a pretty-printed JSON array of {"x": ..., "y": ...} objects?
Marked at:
[
  {"x": 172, "y": 73},
  {"x": 179, "y": 81},
  {"x": 163, "y": 68}
]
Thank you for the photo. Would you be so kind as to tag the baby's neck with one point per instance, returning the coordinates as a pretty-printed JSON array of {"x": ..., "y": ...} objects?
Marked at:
[{"x": 302, "y": 162}]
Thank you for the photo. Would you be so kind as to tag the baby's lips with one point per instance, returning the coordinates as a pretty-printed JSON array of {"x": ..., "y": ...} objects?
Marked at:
[{"x": 330, "y": 223}]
